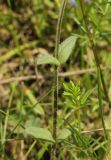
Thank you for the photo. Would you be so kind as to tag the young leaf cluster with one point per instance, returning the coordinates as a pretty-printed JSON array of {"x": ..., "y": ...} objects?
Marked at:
[{"x": 77, "y": 95}]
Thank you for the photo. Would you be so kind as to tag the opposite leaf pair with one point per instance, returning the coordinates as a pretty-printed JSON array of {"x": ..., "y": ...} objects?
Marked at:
[{"x": 65, "y": 50}]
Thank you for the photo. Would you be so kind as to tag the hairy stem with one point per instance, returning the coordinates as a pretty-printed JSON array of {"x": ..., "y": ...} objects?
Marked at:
[{"x": 58, "y": 33}]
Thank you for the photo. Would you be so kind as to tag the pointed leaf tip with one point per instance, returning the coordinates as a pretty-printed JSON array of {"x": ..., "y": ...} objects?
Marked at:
[{"x": 66, "y": 48}]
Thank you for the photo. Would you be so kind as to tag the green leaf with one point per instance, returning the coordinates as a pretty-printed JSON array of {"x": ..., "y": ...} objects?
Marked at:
[
  {"x": 66, "y": 48},
  {"x": 64, "y": 134},
  {"x": 47, "y": 59},
  {"x": 39, "y": 133},
  {"x": 86, "y": 95},
  {"x": 80, "y": 25}
]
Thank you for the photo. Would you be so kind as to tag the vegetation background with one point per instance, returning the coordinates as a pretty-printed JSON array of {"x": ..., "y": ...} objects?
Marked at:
[{"x": 27, "y": 30}]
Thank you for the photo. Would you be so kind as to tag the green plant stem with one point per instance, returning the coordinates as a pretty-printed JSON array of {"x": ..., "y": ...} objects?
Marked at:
[
  {"x": 94, "y": 53},
  {"x": 6, "y": 120},
  {"x": 99, "y": 71},
  {"x": 58, "y": 33},
  {"x": 79, "y": 117},
  {"x": 30, "y": 149},
  {"x": 100, "y": 102}
]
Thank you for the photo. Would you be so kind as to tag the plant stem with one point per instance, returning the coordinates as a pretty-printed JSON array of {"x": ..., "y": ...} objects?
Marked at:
[
  {"x": 58, "y": 33},
  {"x": 100, "y": 103},
  {"x": 30, "y": 149},
  {"x": 94, "y": 53},
  {"x": 100, "y": 78},
  {"x": 79, "y": 117},
  {"x": 6, "y": 120}
]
